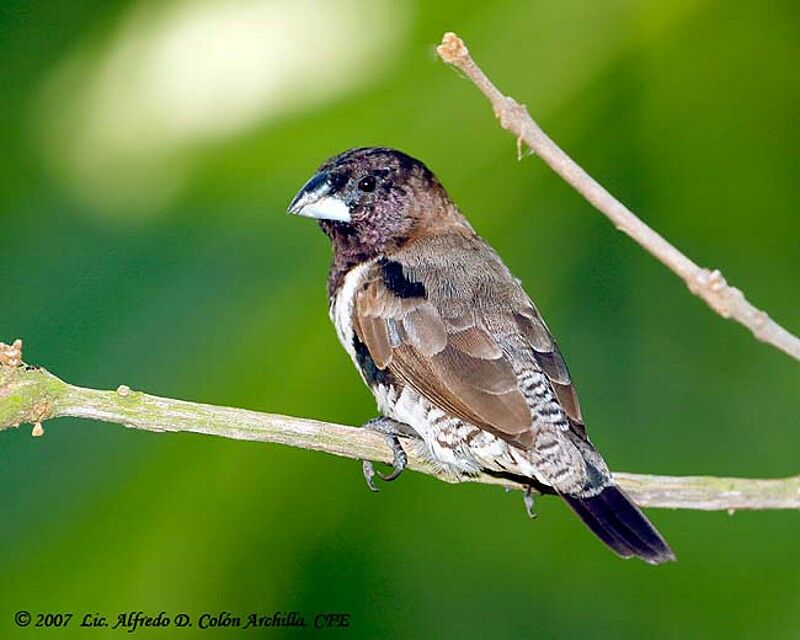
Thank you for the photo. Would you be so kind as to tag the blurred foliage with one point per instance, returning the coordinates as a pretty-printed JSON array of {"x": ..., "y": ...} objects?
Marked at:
[{"x": 686, "y": 110}]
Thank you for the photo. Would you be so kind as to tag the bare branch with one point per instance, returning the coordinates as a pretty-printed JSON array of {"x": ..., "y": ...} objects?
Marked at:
[
  {"x": 31, "y": 395},
  {"x": 710, "y": 285}
]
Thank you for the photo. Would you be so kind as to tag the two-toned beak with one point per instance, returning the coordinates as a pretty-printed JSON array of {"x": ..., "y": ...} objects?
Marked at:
[{"x": 317, "y": 200}]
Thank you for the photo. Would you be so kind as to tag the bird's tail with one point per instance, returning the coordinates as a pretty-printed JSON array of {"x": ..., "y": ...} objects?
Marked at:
[{"x": 614, "y": 519}]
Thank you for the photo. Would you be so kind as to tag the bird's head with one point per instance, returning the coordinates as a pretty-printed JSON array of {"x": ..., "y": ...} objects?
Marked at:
[{"x": 373, "y": 199}]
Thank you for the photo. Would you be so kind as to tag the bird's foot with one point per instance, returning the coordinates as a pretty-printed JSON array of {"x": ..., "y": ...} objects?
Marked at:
[
  {"x": 527, "y": 497},
  {"x": 390, "y": 429}
]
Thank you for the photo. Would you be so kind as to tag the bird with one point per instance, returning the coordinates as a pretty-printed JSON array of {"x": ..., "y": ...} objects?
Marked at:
[{"x": 456, "y": 354}]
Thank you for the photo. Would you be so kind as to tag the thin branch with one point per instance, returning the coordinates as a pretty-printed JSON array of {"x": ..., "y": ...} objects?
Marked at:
[
  {"x": 32, "y": 395},
  {"x": 710, "y": 285}
]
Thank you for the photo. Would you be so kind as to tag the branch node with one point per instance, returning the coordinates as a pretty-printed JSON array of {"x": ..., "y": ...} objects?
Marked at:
[
  {"x": 11, "y": 354},
  {"x": 511, "y": 114},
  {"x": 760, "y": 319},
  {"x": 452, "y": 50},
  {"x": 712, "y": 287},
  {"x": 716, "y": 281},
  {"x": 40, "y": 412}
]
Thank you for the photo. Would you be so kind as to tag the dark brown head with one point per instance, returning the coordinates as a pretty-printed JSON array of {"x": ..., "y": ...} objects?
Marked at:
[{"x": 371, "y": 200}]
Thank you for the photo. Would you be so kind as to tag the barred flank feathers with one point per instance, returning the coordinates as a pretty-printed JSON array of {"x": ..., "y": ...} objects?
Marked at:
[{"x": 620, "y": 524}]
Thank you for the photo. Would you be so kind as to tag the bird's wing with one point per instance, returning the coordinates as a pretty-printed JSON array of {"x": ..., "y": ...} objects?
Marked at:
[{"x": 451, "y": 322}]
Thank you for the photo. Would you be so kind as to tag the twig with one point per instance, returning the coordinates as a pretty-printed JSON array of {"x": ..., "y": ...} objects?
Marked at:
[
  {"x": 32, "y": 395},
  {"x": 710, "y": 285}
]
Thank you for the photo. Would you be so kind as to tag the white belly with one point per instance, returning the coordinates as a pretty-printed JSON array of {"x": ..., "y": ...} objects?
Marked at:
[{"x": 451, "y": 444}]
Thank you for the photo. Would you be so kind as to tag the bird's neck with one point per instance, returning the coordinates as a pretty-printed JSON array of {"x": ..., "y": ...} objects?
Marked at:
[{"x": 348, "y": 252}]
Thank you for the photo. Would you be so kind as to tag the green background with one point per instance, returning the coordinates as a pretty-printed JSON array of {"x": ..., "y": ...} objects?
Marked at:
[{"x": 687, "y": 111}]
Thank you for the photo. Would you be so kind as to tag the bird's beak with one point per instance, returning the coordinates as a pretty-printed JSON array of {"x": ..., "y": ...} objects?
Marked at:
[{"x": 317, "y": 200}]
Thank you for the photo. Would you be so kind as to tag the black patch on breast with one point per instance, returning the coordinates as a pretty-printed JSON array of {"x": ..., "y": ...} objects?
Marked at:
[
  {"x": 397, "y": 282},
  {"x": 372, "y": 374}
]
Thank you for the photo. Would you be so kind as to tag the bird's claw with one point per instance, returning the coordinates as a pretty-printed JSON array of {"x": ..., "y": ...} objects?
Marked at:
[
  {"x": 369, "y": 475},
  {"x": 387, "y": 428},
  {"x": 527, "y": 497}
]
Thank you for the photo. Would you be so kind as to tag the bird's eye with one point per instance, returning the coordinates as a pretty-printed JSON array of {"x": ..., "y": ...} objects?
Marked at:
[{"x": 367, "y": 184}]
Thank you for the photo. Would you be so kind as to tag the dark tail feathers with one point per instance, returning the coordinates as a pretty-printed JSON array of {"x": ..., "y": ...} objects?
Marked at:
[{"x": 614, "y": 519}]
